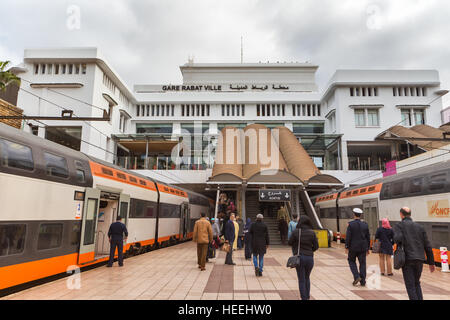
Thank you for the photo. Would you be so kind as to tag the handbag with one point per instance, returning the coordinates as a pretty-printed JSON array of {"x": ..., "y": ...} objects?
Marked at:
[
  {"x": 399, "y": 253},
  {"x": 226, "y": 247},
  {"x": 294, "y": 261},
  {"x": 376, "y": 247}
]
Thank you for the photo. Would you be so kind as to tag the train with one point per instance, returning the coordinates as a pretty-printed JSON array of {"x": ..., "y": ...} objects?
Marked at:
[
  {"x": 57, "y": 205},
  {"x": 426, "y": 191}
]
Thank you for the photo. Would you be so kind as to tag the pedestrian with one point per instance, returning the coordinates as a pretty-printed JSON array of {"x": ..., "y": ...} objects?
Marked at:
[
  {"x": 308, "y": 244},
  {"x": 283, "y": 220},
  {"x": 229, "y": 237},
  {"x": 216, "y": 233},
  {"x": 115, "y": 234},
  {"x": 240, "y": 239},
  {"x": 292, "y": 227},
  {"x": 236, "y": 233},
  {"x": 386, "y": 237},
  {"x": 413, "y": 238},
  {"x": 248, "y": 240},
  {"x": 203, "y": 236},
  {"x": 357, "y": 244},
  {"x": 260, "y": 243}
]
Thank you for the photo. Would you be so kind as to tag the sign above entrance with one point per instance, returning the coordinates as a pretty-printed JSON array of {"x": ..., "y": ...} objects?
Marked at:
[{"x": 275, "y": 195}]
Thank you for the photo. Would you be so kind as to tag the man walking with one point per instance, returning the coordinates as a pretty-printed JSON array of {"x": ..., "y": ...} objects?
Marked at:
[
  {"x": 230, "y": 234},
  {"x": 283, "y": 220},
  {"x": 115, "y": 234},
  {"x": 413, "y": 238},
  {"x": 260, "y": 242},
  {"x": 357, "y": 244},
  {"x": 203, "y": 236}
]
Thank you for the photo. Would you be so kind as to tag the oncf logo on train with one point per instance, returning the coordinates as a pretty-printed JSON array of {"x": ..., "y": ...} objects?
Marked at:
[{"x": 438, "y": 208}]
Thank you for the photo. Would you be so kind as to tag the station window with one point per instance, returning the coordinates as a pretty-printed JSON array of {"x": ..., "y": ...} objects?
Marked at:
[
  {"x": 50, "y": 236},
  {"x": 16, "y": 155},
  {"x": 12, "y": 239},
  {"x": 56, "y": 166}
]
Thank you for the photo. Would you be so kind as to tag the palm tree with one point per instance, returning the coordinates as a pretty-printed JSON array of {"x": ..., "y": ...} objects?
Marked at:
[{"x": 7, "y": 77}]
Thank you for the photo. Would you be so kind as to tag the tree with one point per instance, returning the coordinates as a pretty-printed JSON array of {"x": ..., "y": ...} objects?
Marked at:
[{"x": 7, "y": 77}]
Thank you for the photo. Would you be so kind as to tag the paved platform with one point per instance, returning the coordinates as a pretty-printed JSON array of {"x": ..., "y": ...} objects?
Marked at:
[{"x": 172, "y": 273}]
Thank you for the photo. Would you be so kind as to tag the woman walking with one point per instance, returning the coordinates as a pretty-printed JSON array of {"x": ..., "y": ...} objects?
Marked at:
[
  {"x": 386, "y": 237},
  {"x": 308, "y": 244}
]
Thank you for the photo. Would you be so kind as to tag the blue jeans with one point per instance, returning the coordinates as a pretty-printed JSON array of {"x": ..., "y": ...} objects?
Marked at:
[
  {"x": 303, "y": 273},
  {"x": 411, "y": 275},
  {"x": 261, "y": 261},
  {"x": 362, "y": 265}
]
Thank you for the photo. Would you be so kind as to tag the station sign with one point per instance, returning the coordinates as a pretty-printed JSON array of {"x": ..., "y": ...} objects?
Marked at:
[{"x": 275, "y": 195}]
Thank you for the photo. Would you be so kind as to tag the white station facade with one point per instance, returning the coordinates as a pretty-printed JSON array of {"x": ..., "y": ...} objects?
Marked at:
[{"x": 337, "y": 125}]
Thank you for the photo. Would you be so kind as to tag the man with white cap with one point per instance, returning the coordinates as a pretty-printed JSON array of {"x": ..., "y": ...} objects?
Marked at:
[{"x": 357, "y": 244}]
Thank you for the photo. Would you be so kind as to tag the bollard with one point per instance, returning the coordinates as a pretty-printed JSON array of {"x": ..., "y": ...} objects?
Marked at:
[
  {"x": 338, "y": 238},
  {"x": 444, "y": 260}
]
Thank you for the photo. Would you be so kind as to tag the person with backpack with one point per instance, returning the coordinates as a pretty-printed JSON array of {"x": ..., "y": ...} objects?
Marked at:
[{"x": 413, "y": 238}]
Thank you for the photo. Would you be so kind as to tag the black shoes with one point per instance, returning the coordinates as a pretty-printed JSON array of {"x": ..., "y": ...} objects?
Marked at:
[
  {"x": 258, "y": 273},
  {"x": 355, "y": 282}
]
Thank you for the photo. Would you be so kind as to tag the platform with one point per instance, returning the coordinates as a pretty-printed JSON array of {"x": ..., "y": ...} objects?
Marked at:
[{"x": 172, "y": 273}]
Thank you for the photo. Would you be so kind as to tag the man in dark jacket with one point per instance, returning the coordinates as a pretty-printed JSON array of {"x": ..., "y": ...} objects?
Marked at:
[
  {"x": 115, "y": 235},
  {"x": 415, "y": 244},
  {"x": 260, "y": 242},
  {"x": 229, "y": 236},
  {"x": 357, "y": 244}
]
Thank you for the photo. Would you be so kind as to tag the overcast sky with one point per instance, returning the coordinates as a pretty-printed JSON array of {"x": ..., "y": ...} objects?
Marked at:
[{"x": 146, "y": 41}]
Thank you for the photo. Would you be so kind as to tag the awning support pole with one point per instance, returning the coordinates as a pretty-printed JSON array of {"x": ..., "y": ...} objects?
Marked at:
[{"x": 146, "y": 154}]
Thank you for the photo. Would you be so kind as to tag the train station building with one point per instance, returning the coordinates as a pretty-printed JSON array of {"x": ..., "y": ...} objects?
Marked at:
[{"x": 171, "y": 131}]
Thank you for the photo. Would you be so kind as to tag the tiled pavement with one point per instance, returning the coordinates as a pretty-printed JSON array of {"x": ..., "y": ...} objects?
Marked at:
[{"x": 172, "y": 273}]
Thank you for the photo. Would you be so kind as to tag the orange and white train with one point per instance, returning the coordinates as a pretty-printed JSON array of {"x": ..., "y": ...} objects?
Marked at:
[
  {"x": 57, "y": 205},
  {"x": 425, "y": 190}
]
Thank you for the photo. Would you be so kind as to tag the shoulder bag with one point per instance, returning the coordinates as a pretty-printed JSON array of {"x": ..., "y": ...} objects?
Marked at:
[
  {"x": 376, "y": 247},
  {"x": 399, "y": 253},
  {"x": 294, "y": 261}
]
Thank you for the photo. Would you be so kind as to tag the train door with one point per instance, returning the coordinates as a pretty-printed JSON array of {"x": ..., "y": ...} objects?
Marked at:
[
  {"x": 184, "y": 220},
  {"x": 370, "y": 209},
  {"x": 89, "y": 226}
]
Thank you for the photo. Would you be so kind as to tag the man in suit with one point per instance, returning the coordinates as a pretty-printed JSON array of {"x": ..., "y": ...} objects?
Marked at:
[
  {"x": 115, "y": 235},
  {"x": 413, "y": 238},
  {"x": 230, "y": 234},
  {"x": 203, "y": 235},
  {"x": 357, "y": 244}
]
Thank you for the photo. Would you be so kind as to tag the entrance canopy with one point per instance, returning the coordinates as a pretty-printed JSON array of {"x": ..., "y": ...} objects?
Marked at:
[{"x": 258, "y": 155}]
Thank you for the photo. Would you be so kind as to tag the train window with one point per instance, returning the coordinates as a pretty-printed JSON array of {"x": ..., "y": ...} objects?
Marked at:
[
  {"x": 363, "y": 190},
  {"x": 415, "y": 185},
  {"x": 439, "y": 235},
  {"x": 90, "y": 221},
  {"x": 80, "y": 176},
  {"x": 372, "y": 188},
  {"x": 16, "y": 155},
  {"x": 386, "y": 191},
  {"x": 142, "y": 182},
  {"x": 169, "y": 211},
  {"x": 437, "y": 181},
  {"x": 50, "y": 236},
  {"x": 132, "y": 179},
  {"x": 355, "y": 192},
  {"x": 348, "y": 194},
  {"x": 142, "y": 209},
  {"x": 12, "y": 239},
  {"x": 75, "y": 235},
  {"x": 56, "y": 165},
  {"x": 397, "y": 188},
  {"x": 107, "y": 171},
  {"x": 121, "y": 176}
]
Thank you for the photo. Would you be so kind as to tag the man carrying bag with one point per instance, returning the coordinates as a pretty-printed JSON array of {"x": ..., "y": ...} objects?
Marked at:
[{"x": 412, "y": 243}]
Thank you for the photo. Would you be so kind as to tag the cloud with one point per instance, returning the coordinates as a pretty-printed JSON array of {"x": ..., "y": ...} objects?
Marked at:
[{"x": 146, "y": 41}]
